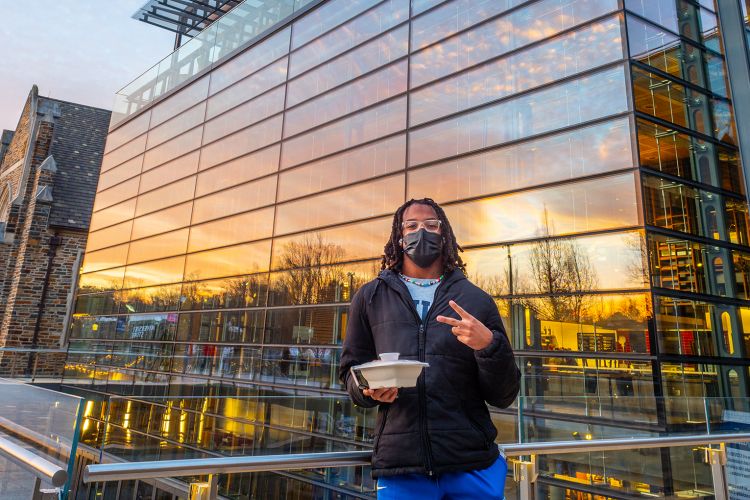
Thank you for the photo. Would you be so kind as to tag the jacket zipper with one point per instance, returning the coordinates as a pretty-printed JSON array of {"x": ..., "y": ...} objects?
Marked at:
[
  {"x": 423, "y": 389},
  {"x": 422, "y": 340}
]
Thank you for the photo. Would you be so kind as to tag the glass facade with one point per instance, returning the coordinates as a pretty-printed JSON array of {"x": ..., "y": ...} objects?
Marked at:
[{"x": 585, "y": 152}]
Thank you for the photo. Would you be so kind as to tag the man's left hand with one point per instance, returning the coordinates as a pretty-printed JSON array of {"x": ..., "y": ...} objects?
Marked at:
[{"x": 468, "y": 329}]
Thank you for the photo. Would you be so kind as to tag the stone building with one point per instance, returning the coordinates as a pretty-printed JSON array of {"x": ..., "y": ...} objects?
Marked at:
[{"x": 49, "y": 169}]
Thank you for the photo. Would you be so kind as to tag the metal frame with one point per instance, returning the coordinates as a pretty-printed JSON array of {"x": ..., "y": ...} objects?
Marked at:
[
  {"x": 183, "y": 17},
  {"x": 524, "y": 470}
]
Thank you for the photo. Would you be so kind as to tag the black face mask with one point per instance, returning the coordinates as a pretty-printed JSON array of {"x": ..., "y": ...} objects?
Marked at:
[{"x": 423, "y": 247}]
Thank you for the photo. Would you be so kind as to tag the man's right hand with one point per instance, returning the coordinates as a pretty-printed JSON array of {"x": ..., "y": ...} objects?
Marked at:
[{"x": 384, "y": 395}]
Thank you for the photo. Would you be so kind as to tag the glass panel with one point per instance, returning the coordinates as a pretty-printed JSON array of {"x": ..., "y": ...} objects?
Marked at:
[
  {"x": 237, "y": 171},
  {"x": 120, "y": 173},
  {"x": 116, "y": 194},
  {"x": 671, "y": 101},
  {"x": 158, "y": 246},
  {"x": 231, "y": 201},
  {"x": 582, "y": 323},
  {"x": 583, "y": 49},
  {"x": 101, "y": 303},
  {"x": 246, "y": 227},
  {"x": 112, "y": 235},
  {"x": 359, "y": 164},
  {"x": 154, "y": 273},
  {"x": 684, "y": 327},
  {"x": 103, "y": 259},
  {"x": 221, "y": 327},
  {"x": 688, "y": 266},
  {"x": 124, "y": 153},
  {"x": 454, "y": 16},
  {"x": 350, "y": 242},
  {"x": 663, "y": 12},
  {"x": 240, "y": 259},
  {"x": 723, "y": 118},
  {"x": 319, "y": 285},
  {"x": 590, "y": 205},
  {"x": 320, "y": 325},
  {"x": 246, "y": 291},
  {"x": 245, "y": 114},
  {"x": 177, "y": 125},
  {"x": 359, "y": 61},
  {"x": 358, "y": 202},
  {"x": 172, "y": 194},
  {"x": 663, "y": 50},
  {"x": 534, "y": 22},
  {"x": 560, "y": 265},
  {"x": 111, "y": 279},
  {"x": 169, "y": 172},
  {"x": 566, "y": 156},
  {"x": 419, "y": 6},
  {"x": 248, "y": 88},
  {"x": 682, "y": 208},
  {"x": 667, "y": 150},
  {"x": 371, "y": 124},
  {"x": 559, "y": 106},
  {"x": 244, "y": 141},
  {"x": 173, "y": 148},
  {"x": 112, "y": 215},
  {"x": 738, "y": 221},
  {"x": 574, "y": 265},
  {"x": 162, "y": 221},
  {"x": 250, "y": 61},
  {"x": 182, "y": 100},
  {"x": 154, "y": 299},
  {"x": 363, "y": 92},
  {"x": 387, "y": 15},
  {"x": 127, "y": 132},
  {"x": 326, "y": 17}
]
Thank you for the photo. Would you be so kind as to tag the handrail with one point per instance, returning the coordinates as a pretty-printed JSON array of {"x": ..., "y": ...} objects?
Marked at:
[
  {"x": 225, "y": 465},
  {"x": 560, "y": 447},
  {"x": 41, "y": 467}
]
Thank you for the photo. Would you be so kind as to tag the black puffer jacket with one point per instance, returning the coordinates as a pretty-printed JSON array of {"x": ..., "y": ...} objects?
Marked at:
[{"x": 443, "y": 424}]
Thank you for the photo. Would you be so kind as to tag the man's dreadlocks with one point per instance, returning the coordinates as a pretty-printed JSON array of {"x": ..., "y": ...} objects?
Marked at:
[{"x": 393, "y": 253}]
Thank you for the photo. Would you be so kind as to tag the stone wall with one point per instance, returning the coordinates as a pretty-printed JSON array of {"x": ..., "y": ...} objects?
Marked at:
[{"x": 37, "y": 247}]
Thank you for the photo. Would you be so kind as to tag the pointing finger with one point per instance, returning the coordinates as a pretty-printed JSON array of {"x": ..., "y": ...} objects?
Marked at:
[{"x": 460, "y": 310}]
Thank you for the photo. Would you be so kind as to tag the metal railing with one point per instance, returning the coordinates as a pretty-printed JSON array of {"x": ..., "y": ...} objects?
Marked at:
[
  {"x": 43, "y": 469},
  {"x": 524, "y": 470}
]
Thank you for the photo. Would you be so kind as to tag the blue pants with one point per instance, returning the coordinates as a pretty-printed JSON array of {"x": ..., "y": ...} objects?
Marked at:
[{"x": 487, "y": 484}]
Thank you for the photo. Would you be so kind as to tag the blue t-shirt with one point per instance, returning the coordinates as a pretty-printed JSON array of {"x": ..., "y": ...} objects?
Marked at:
[{"x": 421, "y": 295}]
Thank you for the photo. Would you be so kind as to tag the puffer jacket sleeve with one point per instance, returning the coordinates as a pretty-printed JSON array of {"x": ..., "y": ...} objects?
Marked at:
[
  {"x": 499, "y": 377},
  {"x": 358, "y": 348}
]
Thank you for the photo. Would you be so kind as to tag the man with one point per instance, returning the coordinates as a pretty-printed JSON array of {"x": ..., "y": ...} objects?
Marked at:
[{"x": 435, "y": 440}]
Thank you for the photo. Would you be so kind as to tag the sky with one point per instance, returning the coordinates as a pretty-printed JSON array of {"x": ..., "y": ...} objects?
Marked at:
[{"x": 74, "y": 50}]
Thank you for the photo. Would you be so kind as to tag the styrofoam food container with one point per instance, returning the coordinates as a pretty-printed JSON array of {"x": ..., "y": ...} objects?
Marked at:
[{"x": 389, "y": 371}]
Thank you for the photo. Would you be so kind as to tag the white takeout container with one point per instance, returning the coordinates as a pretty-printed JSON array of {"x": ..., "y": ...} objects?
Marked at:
[{"x": 389, "y": 371}]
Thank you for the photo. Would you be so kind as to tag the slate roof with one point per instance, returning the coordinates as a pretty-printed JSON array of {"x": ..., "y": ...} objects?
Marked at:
[{"x": 77, "y": 146}]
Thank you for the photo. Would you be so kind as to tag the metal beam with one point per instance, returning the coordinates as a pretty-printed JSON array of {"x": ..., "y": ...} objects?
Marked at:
[{"x": 735, "y": 48}]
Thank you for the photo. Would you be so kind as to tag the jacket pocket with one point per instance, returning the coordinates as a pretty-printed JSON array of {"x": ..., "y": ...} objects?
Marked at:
[
  {"x": 477, "y": 426},
  {"x": 380, "y": 429}
]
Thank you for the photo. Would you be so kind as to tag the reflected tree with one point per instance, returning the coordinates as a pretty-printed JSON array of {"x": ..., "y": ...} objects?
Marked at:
[
  {"x": 560, "y": 271},
  {"x": 312, "y": 275}
]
